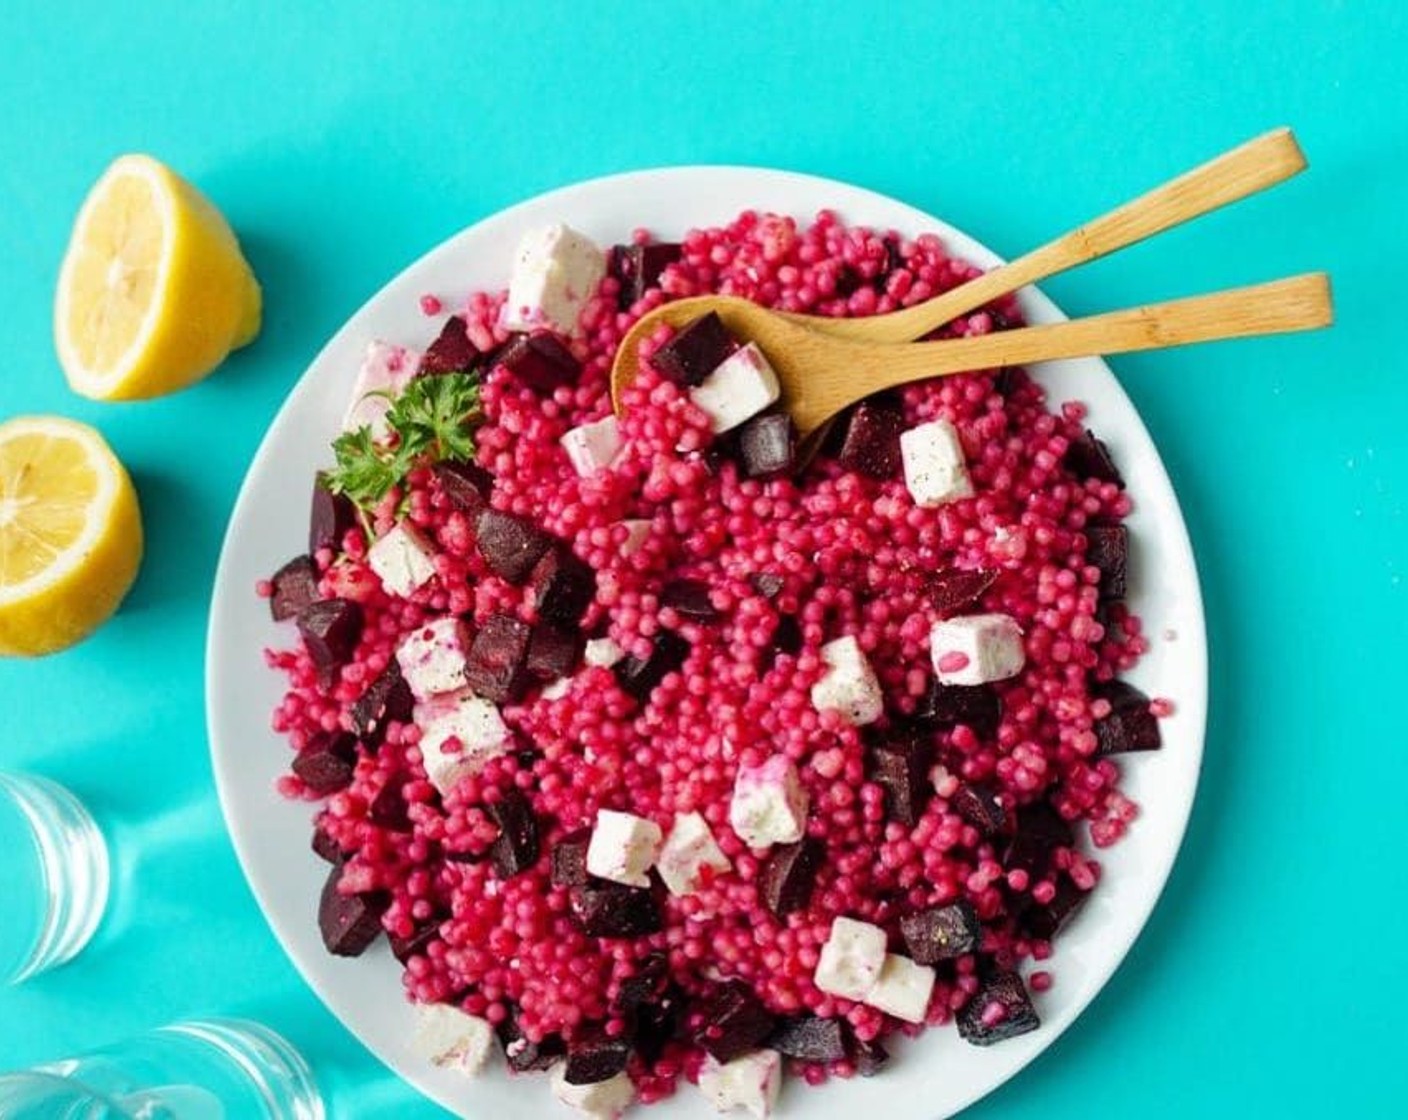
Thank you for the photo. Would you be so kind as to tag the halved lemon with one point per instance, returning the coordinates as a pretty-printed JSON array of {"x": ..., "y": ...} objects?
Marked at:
[
  {"x": 70, "y": 534},
  {"x": 154, "y": 291}
]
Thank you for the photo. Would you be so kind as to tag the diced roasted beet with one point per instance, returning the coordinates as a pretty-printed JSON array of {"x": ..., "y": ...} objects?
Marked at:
[
  {"x": 786, "y": 881},
  {"x": 404, "y": 948},
  {"x": 387, "y": 698},
  {"x": 730, "y": 1021},
  {"x": 611, "y": 910},
  {"x": 563, "y": 586},
  {"x": 1105, "y": 616},
  {"x": 894, "y": 259},
  {"x": 640, "y": 678},
  {"x": 872, "y": 443},
  {"x": 349, "y": 922},
  {"x": 809, "y": 1039},
  {"x": 327, "y": 763},
  {"x": 946, "y": 705},
  {"x": 595, "y": 1056},
  {"x": 767, "y": 584},
  {"x": 976, "y": 1024},
  {"x": 942, "y": 933},
  {"x": 955, "y": 589},
  {"x": 1130, "y": 726},
  {"x": 870, "y": 1057},
  {"x": 1040, "y": 830},
  {"x": 389, "y": 809},
  {"x": 690, "y": 598},
  {"x": 787, "y": 635},
  {"x": 900, "y": 763},
  {"x": 466, "y": 485},
  {"x": 569, "y": 860},
  {"x": 654, "y": 1025},
  {"x": 515, "y": 849},
  {"x": 767, "y": 446},
  {"x": 295, "y": 586},
  {"x": 329, "y": 518},
  {"x": 1108, "y": 550},
  {"x": 722, "y": 449},
  {"x": 646, "y": 985},
  {"x": 638, "y": 268},
  {"x": 540, "y": 361},
  {"x": 451, "y": 352},
  {"x": 694, "y": 353},
  {"x": 496, "y": 664},
  {"x": 848, "y": 281},
  {"x": 620, "y": 265},
  {"x": 1088, "y": 457},
  {"x": 330, "y": 631},
  {"x": 553, "y": 651},
  {"x": 324, "y": 846},
  {"x": 523, "y": 1055},
  {"x": 653, "y": 260},
  {"x": 510, "y": 545},
  {"x": 978, "y": 804},
  {"x": 1046, "y": 921},
  {"x": 651, "y": 1002}
]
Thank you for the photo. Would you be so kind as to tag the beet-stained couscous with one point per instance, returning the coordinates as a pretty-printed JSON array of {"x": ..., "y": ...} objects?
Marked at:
[{"x": 658, "y": 759}]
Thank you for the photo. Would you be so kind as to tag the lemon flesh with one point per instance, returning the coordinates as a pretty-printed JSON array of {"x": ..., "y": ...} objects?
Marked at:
[
  {"x": 70, "y": 534},
  {"x": 154, "y": 291}
]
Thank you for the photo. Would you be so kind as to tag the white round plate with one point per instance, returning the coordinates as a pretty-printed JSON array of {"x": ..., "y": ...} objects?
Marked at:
[{"x": 932, "y": 1078}]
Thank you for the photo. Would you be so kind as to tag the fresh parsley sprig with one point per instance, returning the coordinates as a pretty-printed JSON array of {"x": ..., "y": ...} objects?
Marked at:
[{"x": 433, "y": 419}]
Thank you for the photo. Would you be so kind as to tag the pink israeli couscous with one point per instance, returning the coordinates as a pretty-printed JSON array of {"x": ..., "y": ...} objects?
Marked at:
[{"x": 758, "y": 670}]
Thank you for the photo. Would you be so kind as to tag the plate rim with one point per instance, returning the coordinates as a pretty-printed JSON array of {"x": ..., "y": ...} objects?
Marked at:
[{"x": 226, "y": 587}]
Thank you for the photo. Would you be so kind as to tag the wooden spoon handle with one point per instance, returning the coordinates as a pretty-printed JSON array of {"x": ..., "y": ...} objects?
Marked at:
[
  {"x": 1298, "y": 303},
  {"x": 1254, "y": 166}
]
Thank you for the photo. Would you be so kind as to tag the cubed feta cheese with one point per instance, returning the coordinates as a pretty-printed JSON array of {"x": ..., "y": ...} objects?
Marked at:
[
  {"x": 851, "y": 960},
  {"x": 943, "y": 779},
  {"x": 404, "y": 560},
  {"x": 849, "y": 684},
  {"x": 741, "y": 386},
  {"x": 603, "y": 652},
  {"x": 976, "y": 648},
  {"x": 594, "y": 446},
  {"x": 458, "y": 734},
  {"x": 903, "y": 989},
  {"x": 601, "y": 1100},
  {"x": 448, "y": 1037},
  {"x": 555, "y": 272},
  {"x": 689, "y": 849},
  {"x": 385, "y": 371},
  {"x": 432, "y": 658},
  {"x": 636, "y": 532},
  {"x": 769, "y": 805},
  {"x": 623, "y": 848},
  {"x": 558, "y": 689},
  {"x": 750, "y": 1083},
  {"x": 934, "y": 468}
]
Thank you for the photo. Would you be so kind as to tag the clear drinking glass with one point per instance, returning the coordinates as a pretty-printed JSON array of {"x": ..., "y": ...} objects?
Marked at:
[
  {"x": 54, "y": 867},
  {"x": 216, "y": 1069}
]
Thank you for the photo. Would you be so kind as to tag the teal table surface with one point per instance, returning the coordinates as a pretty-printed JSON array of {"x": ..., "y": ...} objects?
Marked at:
[{"x": 345, "y": 140}]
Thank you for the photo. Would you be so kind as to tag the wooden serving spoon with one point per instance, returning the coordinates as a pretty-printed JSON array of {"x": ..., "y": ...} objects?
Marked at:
[
  {"x": 829, "y": 379},
  {"x": 1246, "y": 169},
  {"x": 821, "y": 374}
]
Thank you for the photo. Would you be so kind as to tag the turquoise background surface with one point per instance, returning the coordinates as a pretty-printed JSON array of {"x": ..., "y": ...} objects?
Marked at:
[{"x": 344, "y": 140}]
